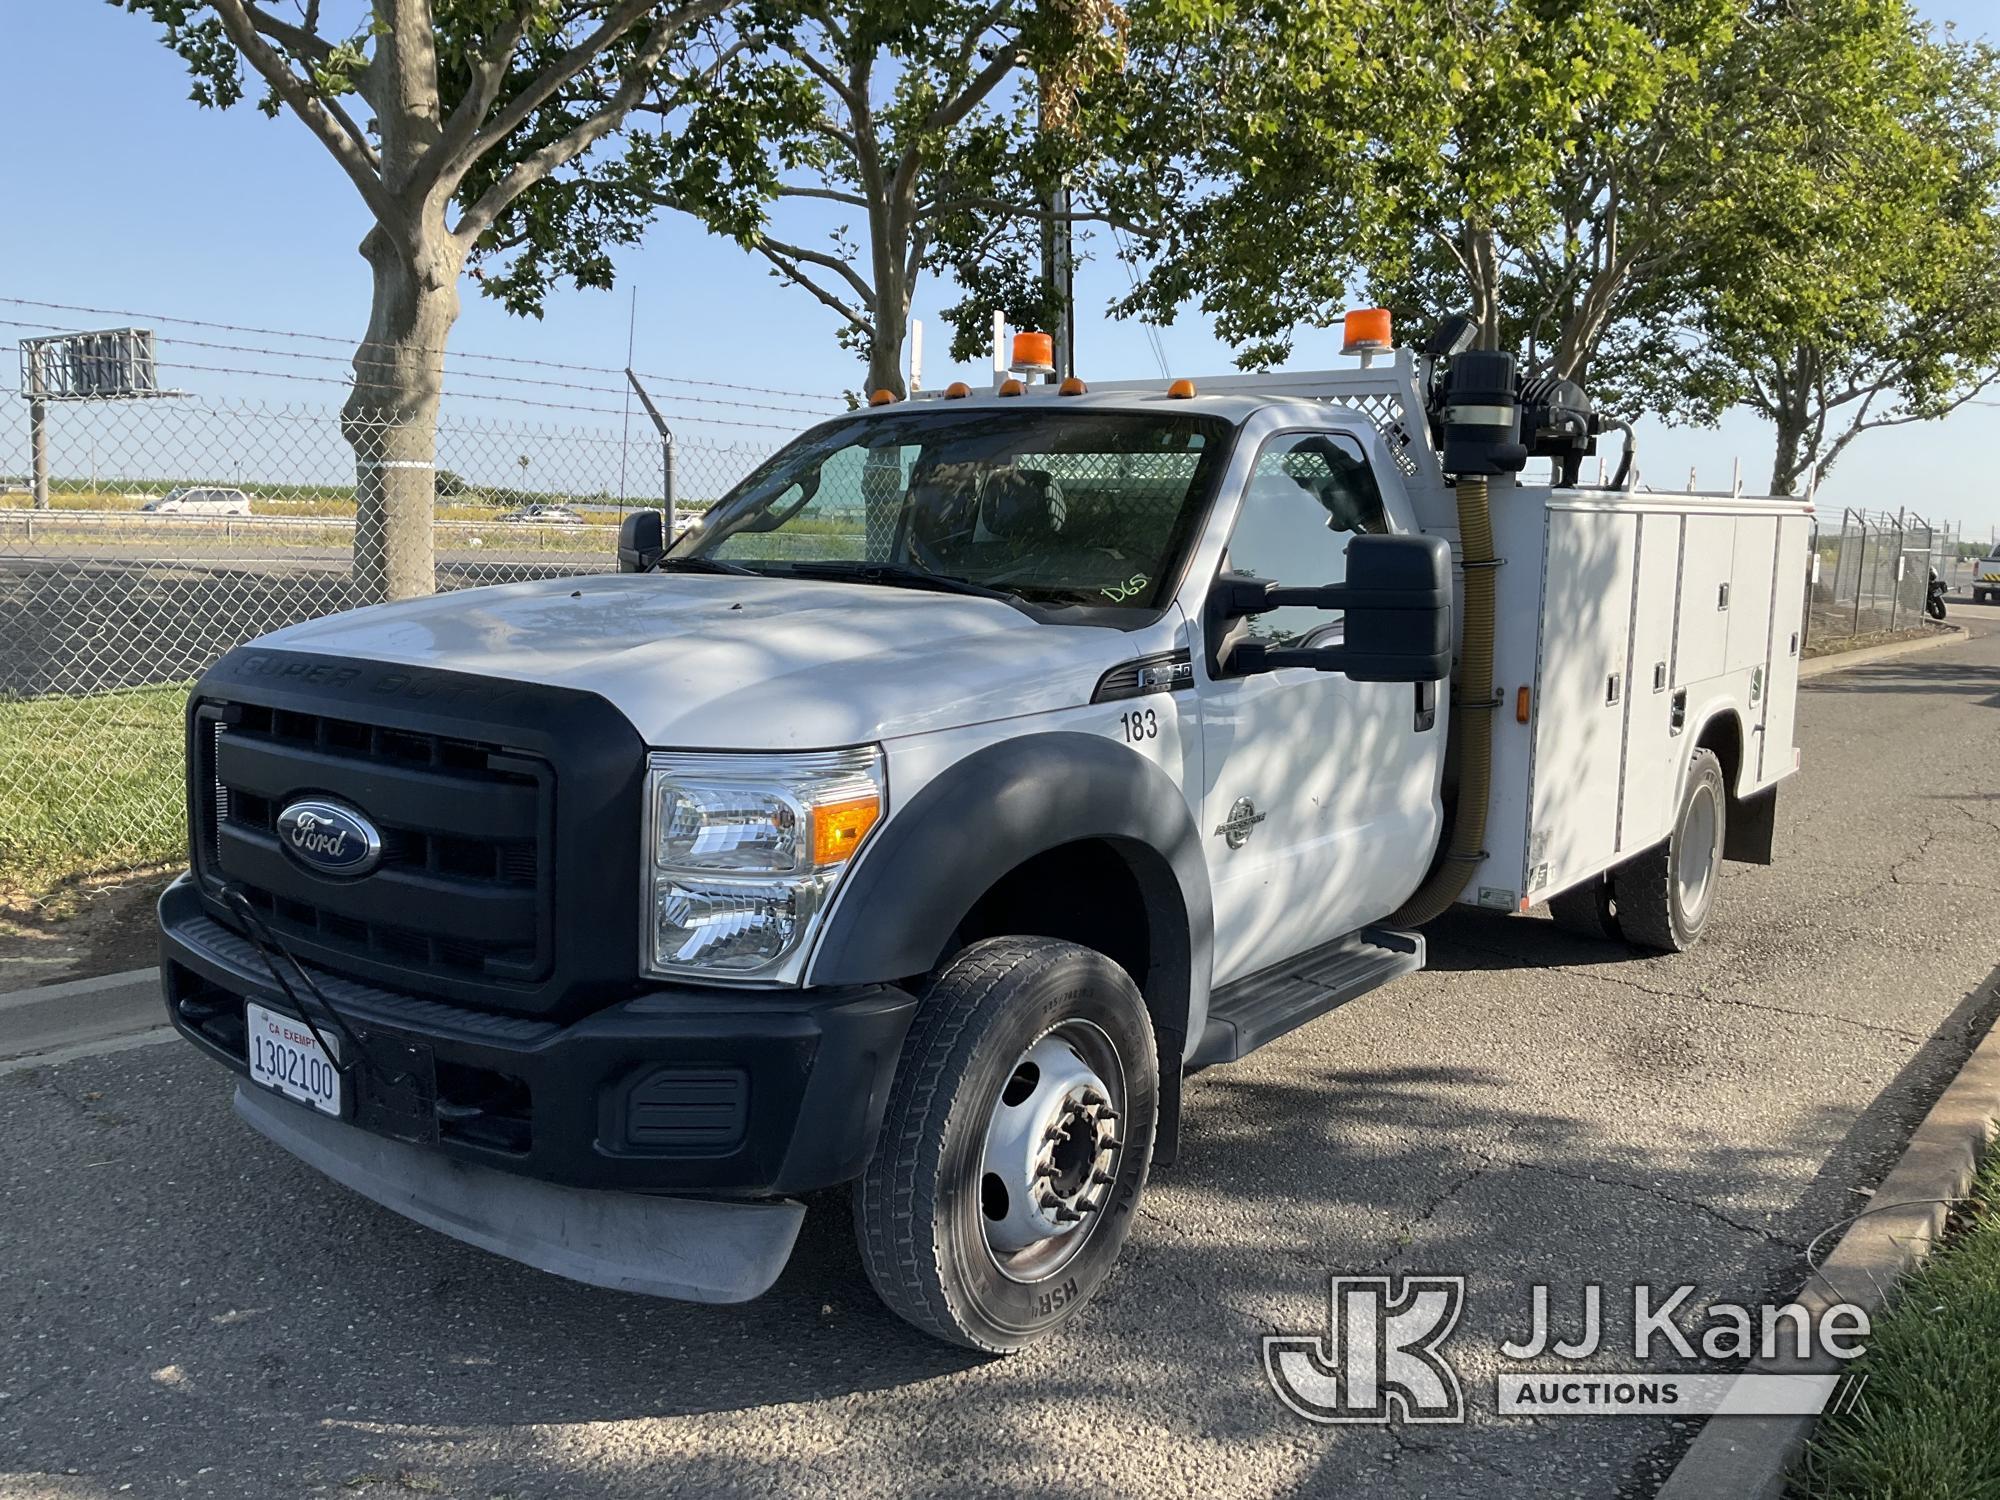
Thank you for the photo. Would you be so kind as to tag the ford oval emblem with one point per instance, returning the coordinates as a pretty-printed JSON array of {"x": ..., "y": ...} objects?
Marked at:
[{"x": 329, "y": 838}]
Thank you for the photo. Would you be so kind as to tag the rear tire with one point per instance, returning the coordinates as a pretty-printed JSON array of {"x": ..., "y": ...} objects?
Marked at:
[
  {"x": 1028, "y": 1089},
  {"x": 1664, "y": 895},
  {"x": 1588, "y": 910}
]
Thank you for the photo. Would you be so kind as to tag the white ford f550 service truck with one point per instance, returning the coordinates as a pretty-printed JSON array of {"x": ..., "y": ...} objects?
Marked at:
[{"x": 975, "y": 770}]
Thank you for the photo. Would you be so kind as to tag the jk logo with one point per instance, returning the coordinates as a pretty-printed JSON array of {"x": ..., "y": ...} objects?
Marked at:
[{"x": 1378, "y": 1360}]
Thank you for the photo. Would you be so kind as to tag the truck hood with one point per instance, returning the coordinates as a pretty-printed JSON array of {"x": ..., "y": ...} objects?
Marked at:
[{"x": 700, "y": 661}]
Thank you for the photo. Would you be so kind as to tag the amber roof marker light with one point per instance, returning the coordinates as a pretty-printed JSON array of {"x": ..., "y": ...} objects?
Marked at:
[
  {"x": 1182, "y": 389},
  {"x": 883, "y": 397},
  {"x": 1071, "y": 386},
  {"x": 1011, "y": 387},
  {"x": 958, "y": 390}
]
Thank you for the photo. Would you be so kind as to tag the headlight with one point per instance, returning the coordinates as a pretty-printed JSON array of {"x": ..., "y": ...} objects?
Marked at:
[{"x": 744, "y": 851}]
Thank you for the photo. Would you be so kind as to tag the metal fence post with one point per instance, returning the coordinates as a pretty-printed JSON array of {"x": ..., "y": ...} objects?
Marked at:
[
  {"x": 1860, "y": 565},
  {"x": 669, "y": 478},
  {"x": 1896, "y": 574}
]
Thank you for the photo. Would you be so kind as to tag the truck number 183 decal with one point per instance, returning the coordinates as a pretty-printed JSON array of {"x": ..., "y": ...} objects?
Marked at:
[{"x": 1140, "y": 724}]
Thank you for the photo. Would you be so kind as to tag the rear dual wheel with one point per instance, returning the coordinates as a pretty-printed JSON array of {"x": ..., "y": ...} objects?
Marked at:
[
  {"x": 1660, "y": 898},
  {"x": 1015, "y": 1146},
  {"x": 1664, "y": 895}
]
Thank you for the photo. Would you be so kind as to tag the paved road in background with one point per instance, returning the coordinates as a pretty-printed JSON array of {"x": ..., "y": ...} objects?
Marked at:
[
  {"x": 166, "y": 618},
  {"x": 186, "y": 1311}
]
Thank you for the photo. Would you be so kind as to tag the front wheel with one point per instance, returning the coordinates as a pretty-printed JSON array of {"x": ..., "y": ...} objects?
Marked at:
[
  {"x": 1935, "y": 608},
  {"x": 1016, "y": 1144}
]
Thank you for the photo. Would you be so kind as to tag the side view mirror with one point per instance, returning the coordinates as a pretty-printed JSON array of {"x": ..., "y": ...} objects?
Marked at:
[
  {"x": 642, "y": 542},
  {"x": 1397, "y": 600}
]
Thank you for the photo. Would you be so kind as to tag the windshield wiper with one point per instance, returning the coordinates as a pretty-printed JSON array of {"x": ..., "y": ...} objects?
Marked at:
[
  {"x": 693, "y": 563},
  {"x": 900, "y": 576}
]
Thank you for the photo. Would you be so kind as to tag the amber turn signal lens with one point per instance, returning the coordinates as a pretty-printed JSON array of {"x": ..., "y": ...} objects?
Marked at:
[
  {"x": 1071, "y": 386},
  {"x": 1520, "y": 705},
  {"x": 957, "y": 391},
  {"x": 882, "y": 398},
  {"x": 1181, "y": 389},
  {"x": 1011, "y": 387},
  {"x": 839, "y": 827}
]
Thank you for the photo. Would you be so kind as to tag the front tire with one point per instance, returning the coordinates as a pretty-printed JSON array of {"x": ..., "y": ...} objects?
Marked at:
[
  {"x": 1664, "y": 895},
  {"x": 1016, "y": 1143}
]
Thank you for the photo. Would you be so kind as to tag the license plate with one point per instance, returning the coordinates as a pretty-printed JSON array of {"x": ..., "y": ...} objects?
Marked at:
[{"x": 285, "y": 1055}]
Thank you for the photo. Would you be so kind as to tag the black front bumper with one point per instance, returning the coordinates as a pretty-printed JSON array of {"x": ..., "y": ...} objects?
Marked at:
[{"x": 678, "y": 1090}]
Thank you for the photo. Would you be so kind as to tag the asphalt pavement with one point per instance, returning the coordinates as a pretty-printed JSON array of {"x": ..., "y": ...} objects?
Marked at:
[{"x": 184, "y": 1310}]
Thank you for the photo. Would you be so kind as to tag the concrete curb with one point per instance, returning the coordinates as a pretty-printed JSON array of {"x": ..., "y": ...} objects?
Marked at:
[
  {"x": 1840, "y": 661},
  {"x": 77, "y": 989},
  {"x": 1751, "y": 1456}
]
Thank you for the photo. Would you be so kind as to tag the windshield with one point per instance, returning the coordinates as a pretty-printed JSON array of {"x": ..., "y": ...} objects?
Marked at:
[{"x": 1064, "y": 507}]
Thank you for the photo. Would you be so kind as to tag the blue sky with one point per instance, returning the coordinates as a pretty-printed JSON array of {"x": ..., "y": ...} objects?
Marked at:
[{"x": 133, "y": 198}]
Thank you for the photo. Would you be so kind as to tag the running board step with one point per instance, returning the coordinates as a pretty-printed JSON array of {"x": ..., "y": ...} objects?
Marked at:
[{"x": 1245, "y": 1015}]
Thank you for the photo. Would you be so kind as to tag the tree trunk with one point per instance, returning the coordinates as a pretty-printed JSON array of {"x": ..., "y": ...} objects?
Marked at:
[
  {"x": 1791, "y": 391},
  {"x": 1788, "y": 461},
  {"x": 1482, "y": 263},
  {"x": 390, "y": 419},
  {"x": 892, "y": 328}
]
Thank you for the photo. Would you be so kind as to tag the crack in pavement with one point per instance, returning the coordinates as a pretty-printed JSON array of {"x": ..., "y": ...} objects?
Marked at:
[
  {"x": 1765, "y": 1234},
  {"x": 1700, "y": 996},
  {"x": 1406, "y": 1231}
]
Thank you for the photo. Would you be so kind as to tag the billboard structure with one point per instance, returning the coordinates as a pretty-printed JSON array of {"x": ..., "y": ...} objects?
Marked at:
[{"x": 113, "y": 364}]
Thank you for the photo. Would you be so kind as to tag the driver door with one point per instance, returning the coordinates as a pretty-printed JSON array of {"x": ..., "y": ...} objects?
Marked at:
[{"x": 1319, "y": 807}]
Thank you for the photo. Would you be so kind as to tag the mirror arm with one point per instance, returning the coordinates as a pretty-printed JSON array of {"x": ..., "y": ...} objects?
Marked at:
[
  {"x": 1241, "y": 595},
  {"x": 1249, "y": 657}
]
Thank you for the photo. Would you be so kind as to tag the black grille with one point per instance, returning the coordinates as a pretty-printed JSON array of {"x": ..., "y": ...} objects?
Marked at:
[{"x": 463, "y": 886}]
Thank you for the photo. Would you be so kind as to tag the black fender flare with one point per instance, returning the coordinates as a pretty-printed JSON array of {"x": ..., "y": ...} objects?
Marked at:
[{"x": 1001, "y": 805}]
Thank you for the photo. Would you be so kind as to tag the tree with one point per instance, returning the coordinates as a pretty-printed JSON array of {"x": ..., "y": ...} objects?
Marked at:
[
  {"x": 1849, "y": 262},
  {"x": 917, "y": 121},
  {"x": 469, "y": 108},
  {"x": 1507, "y": 158}
]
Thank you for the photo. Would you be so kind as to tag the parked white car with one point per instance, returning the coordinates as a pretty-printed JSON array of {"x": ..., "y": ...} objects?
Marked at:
[{"x": 199, "y": 500}]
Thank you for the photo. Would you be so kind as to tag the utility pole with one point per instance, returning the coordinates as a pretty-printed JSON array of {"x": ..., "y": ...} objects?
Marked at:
[
  {"x": 1059, "y": 271},
  {"x": 1058, "y": 264},
  {"x": 38, "y": 430}
]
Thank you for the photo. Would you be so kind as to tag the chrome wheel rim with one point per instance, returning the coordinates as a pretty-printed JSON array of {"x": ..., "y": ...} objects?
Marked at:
[{"x": 1051, "y": 1151}]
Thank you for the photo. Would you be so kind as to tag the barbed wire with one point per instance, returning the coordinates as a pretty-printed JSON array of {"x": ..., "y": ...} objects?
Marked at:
[
  {"x": 541, "y": 382},
  {"x": 359, "y": 344},
  {"x": 704, "y": 419}
]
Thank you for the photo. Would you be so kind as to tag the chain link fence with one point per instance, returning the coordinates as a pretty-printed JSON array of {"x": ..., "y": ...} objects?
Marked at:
[
  {"x": 1873, "y": 573},
  {"x": 140, "y": 539}
]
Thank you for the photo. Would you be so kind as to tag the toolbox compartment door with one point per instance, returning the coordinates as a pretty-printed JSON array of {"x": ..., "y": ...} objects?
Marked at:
[
  {"x": 1701, "y": 636},
  {"x": 1646, "y": 786},
  {"x": 1781, "y": 691},
  {"x": 1581, "y": 695}
]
